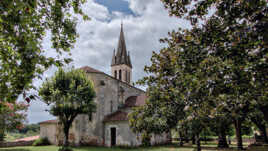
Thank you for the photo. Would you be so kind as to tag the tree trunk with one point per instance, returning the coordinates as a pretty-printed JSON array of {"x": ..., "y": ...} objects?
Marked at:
[
  {"x": 198, "y": 143},
  {"x": 66, "y": 135},
  {"x": 181, "y": 138},
  {"x": 261, "y": 127},
  {"x": 237, "y": 123},
  {"x": 222, "y": 140},
  {"x": 265, "y": 135},
  {"x": 2, "y": 135},
  {"x": 193, "y": 139},
  {"x": 186, "y": 136},
  {"x": 264, "y": 110},
  {"x": 2, "y": 129}
]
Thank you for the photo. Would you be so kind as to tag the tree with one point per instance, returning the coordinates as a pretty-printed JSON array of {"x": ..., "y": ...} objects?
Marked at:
[
  {"x": 168, "y": 88},
  {"x": 68, "y": 94},
  {"x": 23, "y": 26},
  {"x": 221, "y": 126},
  {"x": 239, "y": 32},
  {"x": 256, "y": 117},
  {"x": 235, "y": 34},
  {"x": 157, "y": 116},
  {"x": 12, "y": 116},
  {"x": 163, "y": 108}
]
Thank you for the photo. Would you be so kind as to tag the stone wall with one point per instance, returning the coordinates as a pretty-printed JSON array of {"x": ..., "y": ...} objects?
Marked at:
[
  {"x": 110, "y": 93},
  {"x": 164, "y": 138},
  {"x": 49, "y": 130},
  {"x": 124, "y": 135},
  {"x": 124, "y": 68}
]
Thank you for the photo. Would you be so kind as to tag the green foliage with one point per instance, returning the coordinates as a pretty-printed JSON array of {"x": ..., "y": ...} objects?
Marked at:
[
  {"x": 41, "y": 142},
  {"x": 2, "y": 135},
  {"x": 29, "y": 128},
  {"x": 216, "y": 69},
  {"x": 247, "y": 128},
  {"x": 65, "y": 149},
  {"x": 145, "y": 139},
  {"x": 26, "y": 130},
  {"x": 12, "y": 116},
  {"x": 68, "y": 94},
  {"x": 23, "y": 26}
]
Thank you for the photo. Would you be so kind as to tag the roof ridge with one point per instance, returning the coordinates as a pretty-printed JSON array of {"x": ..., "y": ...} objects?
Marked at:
[{"x": 84, "y": 68}]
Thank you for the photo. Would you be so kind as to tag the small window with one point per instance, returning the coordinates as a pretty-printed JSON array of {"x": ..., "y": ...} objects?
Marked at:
[
  {"x": 115, "y": 74},
  {"x": 102, "y": 83},
  {"x": 120, "y": 75}
]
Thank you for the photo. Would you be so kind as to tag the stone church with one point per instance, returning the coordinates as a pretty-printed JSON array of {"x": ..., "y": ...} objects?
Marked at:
[{"x": 115, "y": 98}]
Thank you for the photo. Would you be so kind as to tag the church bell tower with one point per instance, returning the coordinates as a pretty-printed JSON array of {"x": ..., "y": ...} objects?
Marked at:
[{"x": 121, "y": 64}]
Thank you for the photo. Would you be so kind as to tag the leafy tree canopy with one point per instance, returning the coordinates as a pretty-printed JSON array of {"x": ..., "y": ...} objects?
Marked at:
[
  {"x": 12, "y": 116},
  {"x": 23, "y": 26},
  {"x": 219, "y": 66},
  {"x": 69, "y": 93}
]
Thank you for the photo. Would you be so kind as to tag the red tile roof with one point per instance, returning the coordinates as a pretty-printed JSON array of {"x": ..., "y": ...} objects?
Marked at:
[
  {"x": 116, "y": 116},
  {"x": 49, "y": 122},
  {"x": 134, "y": 101},
  {"x": 90, "y": 70}
]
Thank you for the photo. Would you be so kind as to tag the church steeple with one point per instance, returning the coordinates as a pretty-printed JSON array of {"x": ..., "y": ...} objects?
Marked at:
[
  {"x": 121, "y": 56},
  {"x": 121, "y": 63}
]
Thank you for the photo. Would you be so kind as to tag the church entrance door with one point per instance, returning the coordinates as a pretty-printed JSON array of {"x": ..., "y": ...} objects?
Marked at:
[{"x": 113, "y": 136}]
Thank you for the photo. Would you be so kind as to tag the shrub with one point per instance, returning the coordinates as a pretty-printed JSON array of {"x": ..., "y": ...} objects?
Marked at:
[
  {"x": 41, "y": 142},
  {"x": 2, "y": 136},
  {"x": 65, "y": 149},
  {"x": 145, "y": 139}
]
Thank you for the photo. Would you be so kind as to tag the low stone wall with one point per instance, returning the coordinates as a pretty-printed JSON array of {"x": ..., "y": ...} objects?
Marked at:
[{"x": 14, "y": 144}]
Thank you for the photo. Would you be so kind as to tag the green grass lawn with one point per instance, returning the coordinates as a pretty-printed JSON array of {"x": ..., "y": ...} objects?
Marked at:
[{"x": 160, "y": 148}]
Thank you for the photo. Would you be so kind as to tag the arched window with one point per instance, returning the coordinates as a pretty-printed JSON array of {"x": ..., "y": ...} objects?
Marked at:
[
  {"x": 115, "y": 74},
  {"x": 120, "y": 75}
]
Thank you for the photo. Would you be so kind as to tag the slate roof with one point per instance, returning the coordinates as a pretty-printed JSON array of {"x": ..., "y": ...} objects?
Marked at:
[
  {"x": 116, "y": 116},
  {"x": 121, "y": 56},
  {"x": 49, "y": 122}
]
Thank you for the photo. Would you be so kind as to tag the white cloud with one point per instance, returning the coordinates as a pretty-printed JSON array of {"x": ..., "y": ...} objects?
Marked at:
[{"x": 99, "y": 37}]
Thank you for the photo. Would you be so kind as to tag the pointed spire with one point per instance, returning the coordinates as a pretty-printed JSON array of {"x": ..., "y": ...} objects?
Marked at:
[{"x": 121, "y": 56}]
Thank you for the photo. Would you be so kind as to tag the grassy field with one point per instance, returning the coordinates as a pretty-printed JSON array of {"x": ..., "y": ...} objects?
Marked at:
[{"x": 160, "y": 148}]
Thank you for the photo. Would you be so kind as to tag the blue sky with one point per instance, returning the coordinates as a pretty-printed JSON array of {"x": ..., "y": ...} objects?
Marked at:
[
  {"x": 145, "y": 22},
  {"x": 116, "y": 5}
]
